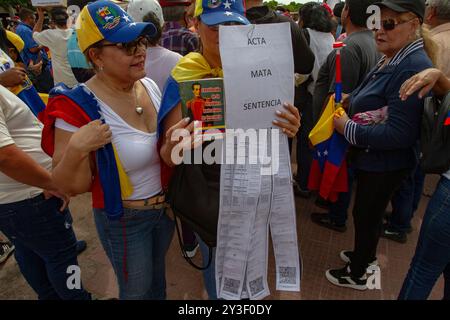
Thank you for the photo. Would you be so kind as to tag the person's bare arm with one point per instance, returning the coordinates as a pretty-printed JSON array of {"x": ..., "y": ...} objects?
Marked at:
[
  {"x": 40, "y": 20},
  {"x": 20, "y": 167},
  {"x": 425, "y": 81},
  {"x": 72, "y": 165}
]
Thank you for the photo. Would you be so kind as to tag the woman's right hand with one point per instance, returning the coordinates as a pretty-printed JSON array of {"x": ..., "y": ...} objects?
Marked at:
[
  {"x": 423, "y": 81},
  {"x": 36, "y": 69},
  {"x": 188, "y": 127},
  {"x": 182, "y": 135},
  {"x": 345, "y": 101},
  {"x": 13, "y": 77},
  {"x": 91, "y": 137}
]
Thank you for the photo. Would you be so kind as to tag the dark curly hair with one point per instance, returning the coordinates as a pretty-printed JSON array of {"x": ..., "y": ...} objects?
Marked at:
[
  {"x": 153, "y": 18},
  {"x": 316, "y": 17},
  {"x": 3, "y": 39}
]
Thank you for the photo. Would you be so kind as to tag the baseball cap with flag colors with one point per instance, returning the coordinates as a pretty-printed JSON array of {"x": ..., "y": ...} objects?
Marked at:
[
  {"x": 105, "y": 20},
  {"x": 213, "y": 12}
]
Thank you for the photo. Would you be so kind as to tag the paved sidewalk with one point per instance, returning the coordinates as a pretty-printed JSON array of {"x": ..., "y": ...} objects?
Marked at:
[{"x": 319, "y": 248}]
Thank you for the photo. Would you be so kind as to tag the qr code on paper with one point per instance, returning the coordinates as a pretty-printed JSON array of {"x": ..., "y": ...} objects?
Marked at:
[
  {"x": 231, "y": 285},
  {"x": 287, "y": 275},
  {"x": 256, "y": 286}
]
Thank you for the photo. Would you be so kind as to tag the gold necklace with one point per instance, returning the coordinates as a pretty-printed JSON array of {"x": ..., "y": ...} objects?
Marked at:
[{"x": 139, "y": 110}]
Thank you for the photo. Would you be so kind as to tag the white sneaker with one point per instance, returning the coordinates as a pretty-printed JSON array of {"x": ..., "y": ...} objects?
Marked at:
[
  {"x": 6, "y": 248},
  {"x": 191, "y": 253}
]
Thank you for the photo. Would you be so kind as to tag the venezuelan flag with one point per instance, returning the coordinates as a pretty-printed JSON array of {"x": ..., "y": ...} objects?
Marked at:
[
  {"x": 77, "y": 106},
  {"x": 328, "y": 172},
  {"x": 28, "y": 94},
  {"x": 447, "y": 120}
]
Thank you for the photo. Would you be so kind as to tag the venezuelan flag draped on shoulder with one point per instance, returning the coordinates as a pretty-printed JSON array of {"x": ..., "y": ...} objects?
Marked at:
[
  {"x": 193, "y": 66},
  {"x": 78, "y": 107},
  {"x": 328, "y": 172}
]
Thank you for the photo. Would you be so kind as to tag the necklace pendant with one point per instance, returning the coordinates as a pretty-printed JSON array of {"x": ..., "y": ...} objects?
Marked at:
[{"x": 139, "y": 110}]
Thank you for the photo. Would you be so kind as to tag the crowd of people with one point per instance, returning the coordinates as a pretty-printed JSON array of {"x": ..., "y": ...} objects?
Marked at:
[{"x": 94, "y": 107}]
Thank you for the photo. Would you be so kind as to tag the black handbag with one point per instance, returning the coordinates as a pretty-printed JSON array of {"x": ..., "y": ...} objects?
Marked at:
[
  {"x": 435, "y": 136},
  {"x": 193, "y": 196}
]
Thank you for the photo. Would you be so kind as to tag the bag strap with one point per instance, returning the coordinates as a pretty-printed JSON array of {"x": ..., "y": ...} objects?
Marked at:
[
  {"x": 185, "y": 256},
  {"x": 180, "y": 241}
]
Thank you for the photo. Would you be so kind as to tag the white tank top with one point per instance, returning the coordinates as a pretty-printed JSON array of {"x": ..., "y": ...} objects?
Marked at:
[{"x": 136, "y": 149}]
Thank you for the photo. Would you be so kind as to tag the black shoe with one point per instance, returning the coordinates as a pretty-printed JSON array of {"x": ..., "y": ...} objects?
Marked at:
[
  {"x": 343, "y": 278},
  {"x": 346, "y": 256},
  {"x": 322, "y": 219},
  {"x": 81, "y": 246},
  {"x": 306, "y": 194},
  {"x": 396, "y": 236},
  {"x": 322, "y": 203},
  {"x": 6, "y": 248}
]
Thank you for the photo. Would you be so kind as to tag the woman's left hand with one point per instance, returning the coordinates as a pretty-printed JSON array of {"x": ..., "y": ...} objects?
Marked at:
[
  {"x": 290, "y": 114},
  {"x": 340, "y": 121}
]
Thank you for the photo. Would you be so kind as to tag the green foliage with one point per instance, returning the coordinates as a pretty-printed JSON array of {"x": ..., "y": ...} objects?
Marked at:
[
  {"x": 5, "y": 3},
  {"x": 272, "y": 4},
  {"x": 292, "y": 6}
]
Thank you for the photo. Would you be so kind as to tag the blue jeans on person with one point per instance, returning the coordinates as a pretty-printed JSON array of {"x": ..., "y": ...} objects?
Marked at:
[
  {"x": 338, "y": 210},
  {"x": 432, "y": 256},
  {"x": 45, "y": 246},
  {"x": 406, "y": 201},
  {"x": 136, "y": 246},
  {"x": 209, "y": 274}
]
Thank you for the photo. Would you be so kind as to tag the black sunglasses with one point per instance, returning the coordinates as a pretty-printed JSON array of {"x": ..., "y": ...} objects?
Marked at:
[
  {"x": 130, "y": 48},
  {"x": 390, "y": 24}
]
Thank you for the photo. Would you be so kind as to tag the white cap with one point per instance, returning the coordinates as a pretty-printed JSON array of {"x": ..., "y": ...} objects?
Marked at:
[{"x": 137, "y": 9}]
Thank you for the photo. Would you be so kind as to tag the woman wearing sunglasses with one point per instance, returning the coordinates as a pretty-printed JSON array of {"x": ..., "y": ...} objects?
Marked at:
[
  {"x": 207, "y": 64},
  {"x": 382, "y": 154},
  {"x": 102, "y": 135}
]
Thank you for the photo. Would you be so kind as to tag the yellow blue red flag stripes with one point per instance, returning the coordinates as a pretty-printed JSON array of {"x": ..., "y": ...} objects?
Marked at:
[{"x": 328, "y": 172}]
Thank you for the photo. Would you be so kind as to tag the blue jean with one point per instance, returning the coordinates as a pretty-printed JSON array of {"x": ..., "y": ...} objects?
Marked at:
[
  {"x": 209, "y": 274},
  {"x": 136, "y": 246},
  {"x": 338, "y": 210},
  {"x": 45, "y": 246},
  {"x": 406, "y": 201},
  {"x": 432, "y": 256}
]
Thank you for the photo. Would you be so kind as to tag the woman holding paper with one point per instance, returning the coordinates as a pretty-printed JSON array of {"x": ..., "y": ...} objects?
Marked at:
[
  {"x": 207, "y": 64},
  {"x": 382, "y": 152}
]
